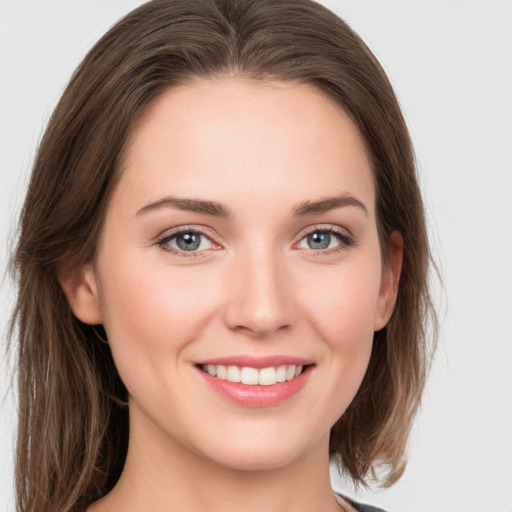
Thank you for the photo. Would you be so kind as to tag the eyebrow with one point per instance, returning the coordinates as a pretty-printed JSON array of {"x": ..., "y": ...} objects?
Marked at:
[
  {"x": 302, "y": 209},
  {"x": 324, "y": 205}
]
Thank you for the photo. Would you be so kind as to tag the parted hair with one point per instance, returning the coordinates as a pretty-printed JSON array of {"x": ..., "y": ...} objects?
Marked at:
[{"x": 73, "y": 432}]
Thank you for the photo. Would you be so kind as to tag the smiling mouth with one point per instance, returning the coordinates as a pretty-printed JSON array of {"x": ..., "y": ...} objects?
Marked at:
[{"x": 254, "y": 376}]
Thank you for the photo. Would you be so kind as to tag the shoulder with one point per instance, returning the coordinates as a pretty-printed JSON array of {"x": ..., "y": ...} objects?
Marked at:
[{"x": 360, "y": 507}]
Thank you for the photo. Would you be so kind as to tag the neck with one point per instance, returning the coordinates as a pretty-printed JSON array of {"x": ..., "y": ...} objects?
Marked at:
[{"x": 162, "y": 475}]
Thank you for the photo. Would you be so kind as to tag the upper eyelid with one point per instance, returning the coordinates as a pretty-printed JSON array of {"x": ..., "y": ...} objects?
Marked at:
[
  {"x": 171, "y": 232},
  {"x": 325, "y": 227}
]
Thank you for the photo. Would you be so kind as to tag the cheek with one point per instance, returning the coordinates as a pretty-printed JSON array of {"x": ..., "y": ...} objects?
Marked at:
[
  {"x": 342, "y": 304},
  {"x": 341, "y": 307},
  {"x": 152, "y": 312}
]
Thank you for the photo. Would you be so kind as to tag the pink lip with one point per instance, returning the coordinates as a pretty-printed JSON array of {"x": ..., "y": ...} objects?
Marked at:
[
  {"x": 257, "y": 396},
  {"x": 257, "y": 362}
]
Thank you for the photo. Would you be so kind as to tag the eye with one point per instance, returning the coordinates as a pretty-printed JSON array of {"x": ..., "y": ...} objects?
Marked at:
[
  {"x": 185, "y": 241},
  {"x": 325, "y": 239}
]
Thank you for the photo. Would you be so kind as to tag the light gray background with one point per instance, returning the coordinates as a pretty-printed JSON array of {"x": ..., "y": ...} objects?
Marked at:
[{"x": 451, "y": 64}]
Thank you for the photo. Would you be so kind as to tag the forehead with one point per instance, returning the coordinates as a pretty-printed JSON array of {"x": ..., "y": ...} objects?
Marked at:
[{"x": 233, "y": 137}]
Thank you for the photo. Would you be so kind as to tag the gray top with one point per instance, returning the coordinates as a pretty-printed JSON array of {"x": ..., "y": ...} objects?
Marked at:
[{"x": 360, "y": 507}]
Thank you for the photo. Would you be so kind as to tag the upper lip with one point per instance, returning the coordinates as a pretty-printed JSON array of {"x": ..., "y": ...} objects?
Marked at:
[{"x": 257, "y": 362}]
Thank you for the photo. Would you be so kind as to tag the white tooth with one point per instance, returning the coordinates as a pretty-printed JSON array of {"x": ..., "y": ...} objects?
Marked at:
[
  {"x": 211, "y": 369},
  {"x": 249, "y": 376},
  {"x": 290, "y": 372},
  {"x": 233, "y": 374},
  {"x": 298, "y": 370},
  {"x": 221, "y": 372},
  {"x": 267, "y": 376},
  {"x": 281, "y": 374}
]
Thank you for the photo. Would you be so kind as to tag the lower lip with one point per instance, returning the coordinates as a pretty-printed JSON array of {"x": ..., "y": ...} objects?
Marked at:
[{"x": 257, "y": 396}]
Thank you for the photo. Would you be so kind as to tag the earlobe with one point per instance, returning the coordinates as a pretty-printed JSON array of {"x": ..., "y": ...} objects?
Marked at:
[
  {"x": 389, "y": 283},
  {"x": 81, "y": 290}
]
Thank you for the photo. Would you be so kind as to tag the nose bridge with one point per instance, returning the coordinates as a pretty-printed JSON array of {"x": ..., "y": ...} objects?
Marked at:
[{"x": 261, "y": 294}]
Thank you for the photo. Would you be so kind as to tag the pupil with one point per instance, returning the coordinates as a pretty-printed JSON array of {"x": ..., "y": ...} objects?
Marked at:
[
  {"x": 319, "y": 240},
  {"x": 188, "y": 241}
]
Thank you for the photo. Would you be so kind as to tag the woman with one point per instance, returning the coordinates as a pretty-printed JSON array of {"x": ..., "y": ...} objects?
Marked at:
[{"x": 222, "y": 268}]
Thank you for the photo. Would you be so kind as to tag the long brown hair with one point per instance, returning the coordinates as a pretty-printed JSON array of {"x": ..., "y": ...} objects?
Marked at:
[{"x": 72, "y": 434}]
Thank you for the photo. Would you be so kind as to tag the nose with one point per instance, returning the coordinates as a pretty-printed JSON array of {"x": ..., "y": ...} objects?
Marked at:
[{"x": 260, "y": 295}]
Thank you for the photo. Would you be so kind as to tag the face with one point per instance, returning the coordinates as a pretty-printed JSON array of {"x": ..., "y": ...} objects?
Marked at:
[{"x": 240, "y": 243}]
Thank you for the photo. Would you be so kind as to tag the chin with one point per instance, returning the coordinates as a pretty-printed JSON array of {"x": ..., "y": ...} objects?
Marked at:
[
  {"x": 258, "y": 460},
  {"x": 258, "y": 454}
]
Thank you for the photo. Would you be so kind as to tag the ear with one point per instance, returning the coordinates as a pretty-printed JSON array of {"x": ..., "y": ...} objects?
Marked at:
[
  {"x": 80, "y": 287},
  {"x": 389, "y": 282}
]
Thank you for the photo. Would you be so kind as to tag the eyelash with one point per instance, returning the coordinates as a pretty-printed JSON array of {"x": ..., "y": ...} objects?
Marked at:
[{"x": 346, "y": 241}]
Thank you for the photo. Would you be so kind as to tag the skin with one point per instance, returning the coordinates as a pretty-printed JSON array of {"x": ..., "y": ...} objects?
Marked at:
[{"x": 255, "y": 288}]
